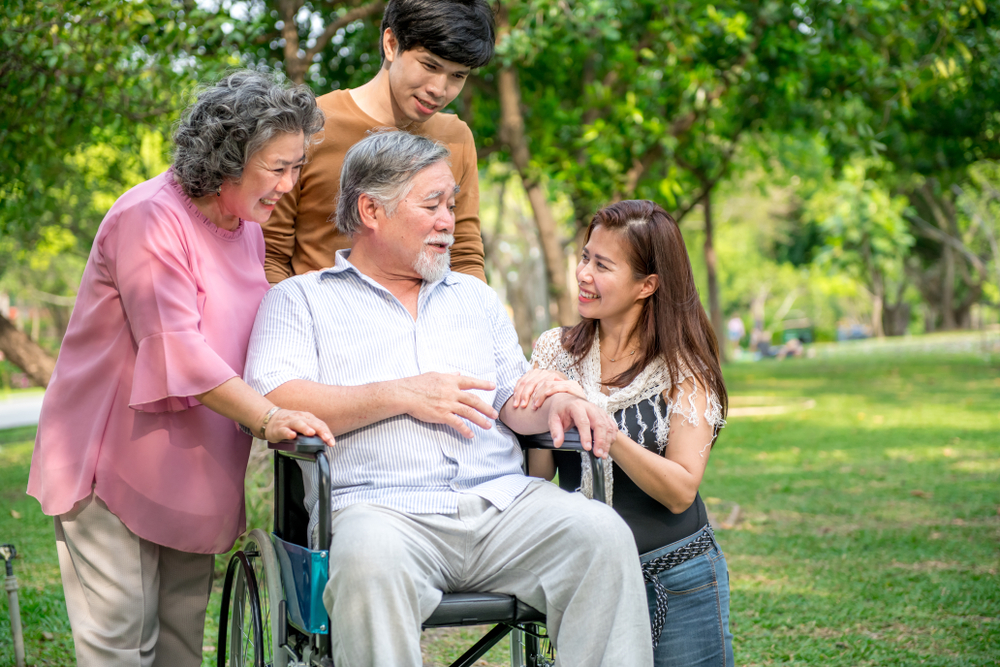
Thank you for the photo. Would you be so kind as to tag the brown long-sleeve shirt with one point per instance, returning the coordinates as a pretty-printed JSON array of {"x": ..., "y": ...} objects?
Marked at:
[{"x": 301, "y": 235}]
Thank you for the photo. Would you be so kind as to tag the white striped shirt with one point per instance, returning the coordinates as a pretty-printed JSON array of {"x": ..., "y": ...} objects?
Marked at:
[{"x": 339, "y": 327}]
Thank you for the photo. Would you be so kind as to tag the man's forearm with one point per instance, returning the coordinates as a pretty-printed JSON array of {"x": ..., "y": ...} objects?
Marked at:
[{"x": 344, "y": 409}]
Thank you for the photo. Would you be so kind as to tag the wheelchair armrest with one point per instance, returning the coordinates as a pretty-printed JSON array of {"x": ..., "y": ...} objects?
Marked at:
[{"x": 571, "y": 443}]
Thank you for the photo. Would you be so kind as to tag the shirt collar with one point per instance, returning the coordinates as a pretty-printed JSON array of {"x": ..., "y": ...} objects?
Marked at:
[{"x": 343, "y": 264}]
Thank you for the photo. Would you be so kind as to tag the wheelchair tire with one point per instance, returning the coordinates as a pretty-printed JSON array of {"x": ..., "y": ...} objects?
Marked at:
[
  {"x": 241, "y": 636},
  {"x": 264, "y": 563}
]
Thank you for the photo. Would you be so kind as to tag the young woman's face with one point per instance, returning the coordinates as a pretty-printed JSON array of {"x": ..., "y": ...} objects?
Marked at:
[{"x": 607, "y": 287}]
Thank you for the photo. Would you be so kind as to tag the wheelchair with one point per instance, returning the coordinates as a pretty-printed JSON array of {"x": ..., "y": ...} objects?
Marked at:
[{"x": 272, "y": 611}]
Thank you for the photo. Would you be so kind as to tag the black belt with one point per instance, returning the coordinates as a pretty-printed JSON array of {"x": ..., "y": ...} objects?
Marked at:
[{"x": 667, "y": 561}]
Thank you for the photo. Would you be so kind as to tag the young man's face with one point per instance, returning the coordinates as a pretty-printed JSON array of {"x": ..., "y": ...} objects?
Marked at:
[{"x": 421, "y": 83}]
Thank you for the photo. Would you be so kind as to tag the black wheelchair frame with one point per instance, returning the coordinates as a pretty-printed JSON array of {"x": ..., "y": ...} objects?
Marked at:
[{"x": 260, "y": 626}]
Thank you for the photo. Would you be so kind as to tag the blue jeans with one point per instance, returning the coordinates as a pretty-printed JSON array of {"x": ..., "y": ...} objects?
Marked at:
[{"x": 697, "y": 627}]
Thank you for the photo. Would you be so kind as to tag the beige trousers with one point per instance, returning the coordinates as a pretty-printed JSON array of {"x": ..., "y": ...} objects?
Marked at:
[
  {"x": 131, "y": 603},
  {"x": 572, "y": 558}
]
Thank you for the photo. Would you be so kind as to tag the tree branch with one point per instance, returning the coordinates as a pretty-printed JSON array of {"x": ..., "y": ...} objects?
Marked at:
[
  {"x": 350, "y": 17},
  {"x": 927, "y": 230}
]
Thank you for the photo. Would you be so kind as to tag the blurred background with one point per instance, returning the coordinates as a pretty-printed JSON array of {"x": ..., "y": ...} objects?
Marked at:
[
  {"x": 835, "y": 169},
  {"x": 832, "y": 164}
]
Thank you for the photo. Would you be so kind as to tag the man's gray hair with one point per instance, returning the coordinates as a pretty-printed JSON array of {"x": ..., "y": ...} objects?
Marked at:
[
  {"x": 232, "y": 120},
  {"x": 382, "y": 166}
]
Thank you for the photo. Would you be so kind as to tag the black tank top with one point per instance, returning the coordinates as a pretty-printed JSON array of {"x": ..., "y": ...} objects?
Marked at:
[{"x": 652, "y": 524}]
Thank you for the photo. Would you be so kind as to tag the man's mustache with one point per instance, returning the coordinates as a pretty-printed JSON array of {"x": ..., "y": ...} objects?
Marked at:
[{"x": 444, "y": 239}]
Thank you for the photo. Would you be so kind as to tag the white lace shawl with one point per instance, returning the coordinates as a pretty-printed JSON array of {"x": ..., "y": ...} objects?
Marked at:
[{"x": 652, "y": 382}]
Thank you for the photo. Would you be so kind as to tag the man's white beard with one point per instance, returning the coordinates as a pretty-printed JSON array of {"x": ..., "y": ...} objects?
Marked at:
[{"x": 431, "y": 266}]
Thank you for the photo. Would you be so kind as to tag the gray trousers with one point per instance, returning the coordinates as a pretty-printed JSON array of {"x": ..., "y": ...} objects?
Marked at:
[
  {"x": 131, "y": 603},
  {"x": 567, "y": 556}
]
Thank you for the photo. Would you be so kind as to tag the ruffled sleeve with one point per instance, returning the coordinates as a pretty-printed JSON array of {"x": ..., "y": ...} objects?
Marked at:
[
  {"x": 684, "y": 398},
  {"x": 683, "y": 402},
  {"x": 151, "y": 264},
  {"x": 173, "y": 367}
]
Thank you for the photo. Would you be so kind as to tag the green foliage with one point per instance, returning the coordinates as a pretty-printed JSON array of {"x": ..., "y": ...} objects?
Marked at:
[
  {"x": 78, "y": 74},
  {"x": 862, "y": 225}
]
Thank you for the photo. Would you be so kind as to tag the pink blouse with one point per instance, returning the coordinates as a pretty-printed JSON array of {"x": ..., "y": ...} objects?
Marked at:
[{"x": 164, "y": 313}]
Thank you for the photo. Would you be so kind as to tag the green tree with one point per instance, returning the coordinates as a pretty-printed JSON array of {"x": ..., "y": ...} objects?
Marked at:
[
  {"x": 84, "y": 82},
  {"x": 864, "y": 234}
]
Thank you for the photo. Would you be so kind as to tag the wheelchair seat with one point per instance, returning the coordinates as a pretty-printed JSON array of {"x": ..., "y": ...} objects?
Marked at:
[
  {"x": 272, "y": 611},
  {"x": 291, "y": 519}
]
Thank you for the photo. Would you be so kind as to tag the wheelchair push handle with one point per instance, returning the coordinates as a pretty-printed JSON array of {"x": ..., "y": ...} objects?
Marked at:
[{"x": 300, "y": 444}]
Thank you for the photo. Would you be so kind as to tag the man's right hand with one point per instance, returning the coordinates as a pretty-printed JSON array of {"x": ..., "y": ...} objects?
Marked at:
[{"x": 441, "y": 398}]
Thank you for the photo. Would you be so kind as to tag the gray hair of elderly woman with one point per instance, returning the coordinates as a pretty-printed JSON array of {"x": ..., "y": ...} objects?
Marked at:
[
  {"x": 232, "y": 120},
  {"x": 382, "y": 166}
]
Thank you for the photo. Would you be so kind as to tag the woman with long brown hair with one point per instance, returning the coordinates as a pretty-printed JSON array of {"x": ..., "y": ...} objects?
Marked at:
[{"x": 645, "y": 352}]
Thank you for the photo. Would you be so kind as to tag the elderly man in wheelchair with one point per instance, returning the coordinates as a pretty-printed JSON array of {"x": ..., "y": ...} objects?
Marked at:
[{"x": 412, "y": 367}]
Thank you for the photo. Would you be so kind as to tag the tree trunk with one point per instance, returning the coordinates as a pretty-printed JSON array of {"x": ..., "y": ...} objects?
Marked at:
[
  {"x": 295, "y": 68},
  {"x": 948, "y": 289},
  {"x": 25, "y": 353},
  {"x": 896, "y": 315},
  {"x": 878, "y": 302},
  {"x": 714, "y": 305},
  {"x": 512, "y": 132}
]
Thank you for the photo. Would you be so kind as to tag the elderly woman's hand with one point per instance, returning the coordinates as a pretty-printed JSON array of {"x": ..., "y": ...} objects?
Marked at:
[
  {"x": 286, "y": 424},
  {"x": 538, "y": 384}
]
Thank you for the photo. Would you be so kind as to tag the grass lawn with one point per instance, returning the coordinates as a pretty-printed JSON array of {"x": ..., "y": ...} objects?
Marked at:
[{"x": 869, "y": 530}]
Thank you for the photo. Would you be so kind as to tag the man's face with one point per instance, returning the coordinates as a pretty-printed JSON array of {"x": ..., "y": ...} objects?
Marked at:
[
  {"x": 422, "y": 83},
  {"x": 419, "y": 234}
]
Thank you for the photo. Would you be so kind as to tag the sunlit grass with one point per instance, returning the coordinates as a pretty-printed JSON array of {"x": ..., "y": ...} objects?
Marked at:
[{"x": 869, "y": 530}]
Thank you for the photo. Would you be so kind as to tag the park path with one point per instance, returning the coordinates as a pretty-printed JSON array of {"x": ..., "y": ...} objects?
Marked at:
[{"x": 20, "y": 410}]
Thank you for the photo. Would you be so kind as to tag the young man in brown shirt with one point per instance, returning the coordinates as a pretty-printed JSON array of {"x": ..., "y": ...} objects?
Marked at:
[{"x": 429, "y": 48}]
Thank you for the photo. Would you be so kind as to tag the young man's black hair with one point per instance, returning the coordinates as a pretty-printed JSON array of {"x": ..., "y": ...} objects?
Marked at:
[{"x": 461, "y": 31}]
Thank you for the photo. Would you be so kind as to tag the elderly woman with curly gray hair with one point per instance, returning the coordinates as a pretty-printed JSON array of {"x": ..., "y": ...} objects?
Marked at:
[{"x": 137, "y": 456}]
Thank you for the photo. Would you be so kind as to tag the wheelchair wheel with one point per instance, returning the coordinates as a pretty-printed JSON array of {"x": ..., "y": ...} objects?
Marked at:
[
  {"x": 241, "y": 636},
  {"x": 264, "y": 563}
]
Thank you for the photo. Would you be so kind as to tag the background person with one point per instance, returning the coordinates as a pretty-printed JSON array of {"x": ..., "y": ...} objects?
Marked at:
[
  {"x": 645, "y": 352},
  {"x": 735, "y": 330},
  {"x": 429, "y": 48},
  {"x": 137, "y": 455},
  {"x": 412, "y": 364}
]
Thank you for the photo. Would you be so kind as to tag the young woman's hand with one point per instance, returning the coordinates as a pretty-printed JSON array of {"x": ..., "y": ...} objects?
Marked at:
[{"x": 538, "y": 384}]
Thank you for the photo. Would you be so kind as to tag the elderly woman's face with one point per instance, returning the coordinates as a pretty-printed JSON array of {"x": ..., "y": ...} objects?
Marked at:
[{"x": 270, "y": 173}]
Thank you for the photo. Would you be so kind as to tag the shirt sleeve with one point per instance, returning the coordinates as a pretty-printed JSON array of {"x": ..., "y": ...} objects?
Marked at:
[
  {"x": 507, "y": 353},
  {"x": 467, "y": 255},
  {"x": 279, "y": 236},
  {"x": 283, "y": 342},
  {"x": 151, "y": 265}
]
